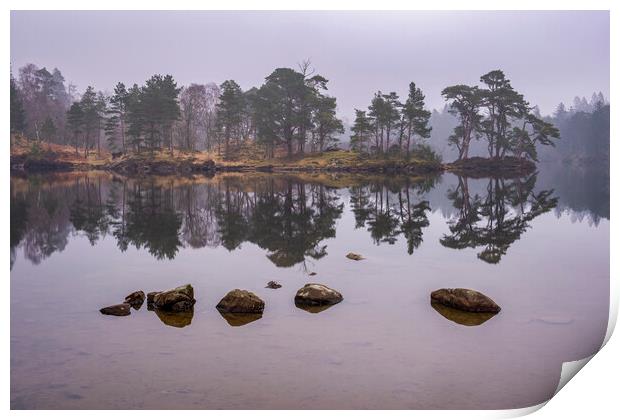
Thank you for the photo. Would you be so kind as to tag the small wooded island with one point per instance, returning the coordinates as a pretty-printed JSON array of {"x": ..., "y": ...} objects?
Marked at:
[{"x": 288, "y": 124}]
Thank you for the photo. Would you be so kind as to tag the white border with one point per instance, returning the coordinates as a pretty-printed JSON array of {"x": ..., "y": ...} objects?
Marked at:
[{"x": 593, "y": 392}]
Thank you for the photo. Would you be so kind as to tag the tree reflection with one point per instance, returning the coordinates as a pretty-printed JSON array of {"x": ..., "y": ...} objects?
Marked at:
[
  {"x": 393, "y": 209},
  {"x": 286, "y": 217},
  {"x": 497, "y": 218},
  {"x": 292, "y": 222}
]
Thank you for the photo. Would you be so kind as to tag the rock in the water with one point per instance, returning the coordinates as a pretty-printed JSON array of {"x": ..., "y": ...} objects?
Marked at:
[
  {"x": 122, "y": 309},
  {"x": 314, "y": 294},
  {"x": 180, "y": 299},
  {"x": 355, "y": 257},
  {"x": 239, "y": 319},
  {"x": 312, "y": 274},
  {"x": 464, "y": 300},
  {"x": 241, "y": 301},
  {"x": 175, "y": 319},
  {"x": 150, "y": 300},
  {"x": 150, "y": 297},
  {"x": 135, "y": 299},
  {"x": 273, "y": 285}
]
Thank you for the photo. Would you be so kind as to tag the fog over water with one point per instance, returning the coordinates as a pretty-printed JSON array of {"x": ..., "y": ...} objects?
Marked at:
[{"x": 549, "y": 56}]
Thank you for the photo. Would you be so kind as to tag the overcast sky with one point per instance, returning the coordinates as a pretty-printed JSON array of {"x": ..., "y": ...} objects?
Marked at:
[{"x": 549, "y": 56}]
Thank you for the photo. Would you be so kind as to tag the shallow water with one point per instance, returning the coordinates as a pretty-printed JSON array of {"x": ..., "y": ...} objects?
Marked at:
[{"x": 81, "y": 242}]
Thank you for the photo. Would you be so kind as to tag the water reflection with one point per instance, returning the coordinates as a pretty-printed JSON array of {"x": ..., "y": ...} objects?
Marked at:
[
  {"x": 313, "y": 309},
  {"x": 175, "y": 319},
  {"x": 469, "y": 319},
  {"x": 497, "y": 218},
  {"x": 393, "y": 209},
  {"x": 240, "y": 319},
  {"x": 288, "y": 217}
]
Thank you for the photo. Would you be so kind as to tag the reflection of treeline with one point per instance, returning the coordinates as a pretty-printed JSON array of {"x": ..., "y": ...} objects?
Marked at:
[
  {"x": 496, "y": 219},
  {"x": 583, "y": 190},
  {"x": 391, "y": 209},
  {"x": 288, "y": 218}
]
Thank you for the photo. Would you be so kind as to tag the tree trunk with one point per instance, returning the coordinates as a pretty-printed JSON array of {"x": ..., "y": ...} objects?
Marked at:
[
  {"x": 122, "y": 121},
  {"x": 99, "y": 141}
]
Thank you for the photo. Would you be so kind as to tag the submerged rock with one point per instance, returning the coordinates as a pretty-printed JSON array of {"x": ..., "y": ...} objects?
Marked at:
[
  {"x": 135, "y": 299},
  {"x": 239, "y": 319},
  {"x": 314, "y": 294},
  {"x": 241, "y": 301},
  {"x": 273, "y": 285},
  {"x": 353, "y": 256},
  {"x": 175, "y": 319},
  {"x": 468, "y": 319},
  {"x": 465, "y": 300},
  {"x": 122, "y": 309},
  {"x": 180, "y": 299}
]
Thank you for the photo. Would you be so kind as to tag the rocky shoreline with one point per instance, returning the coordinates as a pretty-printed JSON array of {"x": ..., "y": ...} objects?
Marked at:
[{"x": 476, "y": 167}]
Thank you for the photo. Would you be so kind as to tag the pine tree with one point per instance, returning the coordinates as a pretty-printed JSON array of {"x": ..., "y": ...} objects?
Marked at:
[
  {"x": 116, "y": 118},
  {"x": 229, "y": 113},
  {"x": 415, "y": 116},
  {"x": 362, "y": 128},
  {"x": 75, "y": 121}
]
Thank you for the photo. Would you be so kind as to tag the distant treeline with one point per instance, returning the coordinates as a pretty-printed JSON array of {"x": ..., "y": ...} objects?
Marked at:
[
  {"x": 290, "y": 112},
  {"x": 584, "y": 132}
]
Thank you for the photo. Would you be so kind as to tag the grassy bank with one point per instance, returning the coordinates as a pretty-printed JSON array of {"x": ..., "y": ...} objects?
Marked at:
[{"x": 32, "y": 155}]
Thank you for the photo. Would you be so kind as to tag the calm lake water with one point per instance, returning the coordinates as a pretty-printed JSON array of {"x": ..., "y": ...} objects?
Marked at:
[{"x": 538, "y": 246}]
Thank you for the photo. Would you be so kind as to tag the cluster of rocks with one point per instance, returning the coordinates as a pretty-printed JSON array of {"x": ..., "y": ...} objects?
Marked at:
[
  {"x": 133, "y": 300},
  {"x": 175, "y": 307}
]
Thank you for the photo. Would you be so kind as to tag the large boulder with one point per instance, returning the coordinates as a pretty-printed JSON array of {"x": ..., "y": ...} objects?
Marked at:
[
  {"x": 150, "y": 300},
  {"x": 150, "y": 297},
  {"x": 465, "y": 300},
  {"x": 180, "y": 299},
  {"x": 241, "y": 301},
  {"x": 314, "y": 294},
  {"x": 122, "y": 309},
  {"x": 135, "y": 299}
]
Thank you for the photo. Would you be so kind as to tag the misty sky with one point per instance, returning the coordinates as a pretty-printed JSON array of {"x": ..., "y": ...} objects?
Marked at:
[{"x": 549, "y": 56}]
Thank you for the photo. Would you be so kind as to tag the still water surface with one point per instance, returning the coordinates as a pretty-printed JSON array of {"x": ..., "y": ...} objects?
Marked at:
[{"x": 83, "y": 241}]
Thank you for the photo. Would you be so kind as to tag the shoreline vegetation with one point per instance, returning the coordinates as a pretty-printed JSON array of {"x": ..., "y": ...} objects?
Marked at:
[
  {"x": 288, "y": 124},
  {"x": 58, "y": 158}
]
